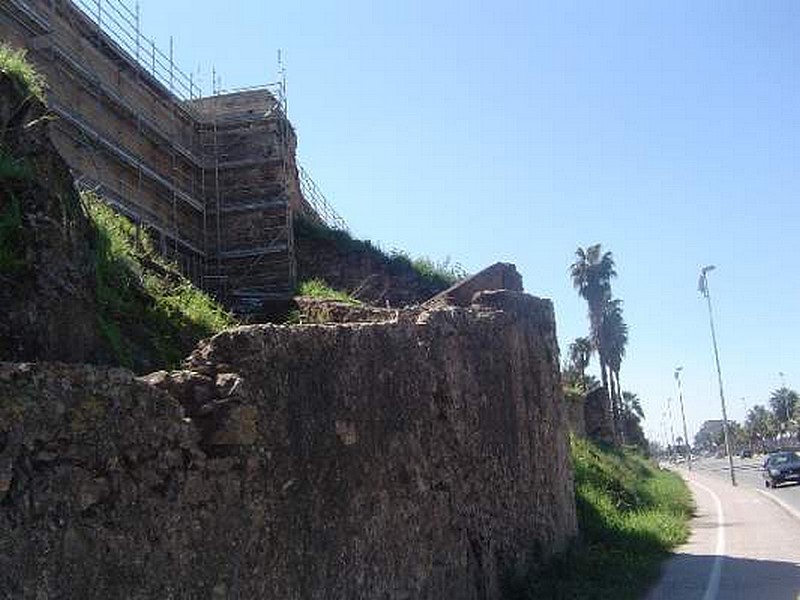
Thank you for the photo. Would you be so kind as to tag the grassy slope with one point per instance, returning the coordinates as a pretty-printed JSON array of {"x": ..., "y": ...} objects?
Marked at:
[
  {"x": 441, "y": 273},
  {"x": 150, "y": 314},
  {"x": 630, "y": 516},
  {"x": 14, "y": 65}
]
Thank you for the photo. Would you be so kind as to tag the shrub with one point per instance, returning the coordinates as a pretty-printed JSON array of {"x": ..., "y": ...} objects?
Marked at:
[
  {"x": 14, "y": 65},
  {"x": 442, "y": 273},
  {"x": 317, "y": 288}
]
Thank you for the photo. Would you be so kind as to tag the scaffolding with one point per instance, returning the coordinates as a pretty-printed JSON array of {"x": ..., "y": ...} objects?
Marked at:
[
  {"x": 138, "y": 131},
  {"x": 249, "y": 143},
  {"x": 122, "y": 24},
  {"x": 319, "y": 204},
  {"x": 124, "y": 134}
]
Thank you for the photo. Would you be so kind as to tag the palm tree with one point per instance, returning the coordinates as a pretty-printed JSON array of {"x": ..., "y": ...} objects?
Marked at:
[
  {"x": 761, "y": 425},
  {"x": 632, "y": 416},
  {"x": 614, "y": 339},
  {"x": 591, "y": 274},
  {"x": 783, "y": 402},
  {"x": 631, "y": 404},
  {"x": 580, "y": 353}
]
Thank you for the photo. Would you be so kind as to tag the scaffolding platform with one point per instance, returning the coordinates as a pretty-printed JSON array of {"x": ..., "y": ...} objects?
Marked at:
[{"x": 215, "y": 176}]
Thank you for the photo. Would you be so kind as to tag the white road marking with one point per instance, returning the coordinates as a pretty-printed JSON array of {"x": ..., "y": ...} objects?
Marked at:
[
  {"x": 716, "y": 570},
  {"x": 792, "y": 511}
]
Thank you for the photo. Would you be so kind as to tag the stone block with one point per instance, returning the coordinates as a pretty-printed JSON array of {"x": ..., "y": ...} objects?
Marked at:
[{"x": 499, "y": 276}]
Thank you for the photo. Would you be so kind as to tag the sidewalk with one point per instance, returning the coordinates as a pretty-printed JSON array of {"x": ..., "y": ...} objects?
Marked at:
[{"x": 742, "y": 546}]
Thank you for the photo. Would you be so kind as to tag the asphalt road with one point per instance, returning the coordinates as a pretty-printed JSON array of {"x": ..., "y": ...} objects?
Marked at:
[
  {"x": 748, "y": 475},
  {"x": 745, "y": 541}
]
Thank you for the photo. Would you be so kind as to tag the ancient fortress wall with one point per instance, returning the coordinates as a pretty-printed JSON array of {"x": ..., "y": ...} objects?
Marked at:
[
  {"x": 214, "y": 178},
  {"x": 425, "y": 457}
]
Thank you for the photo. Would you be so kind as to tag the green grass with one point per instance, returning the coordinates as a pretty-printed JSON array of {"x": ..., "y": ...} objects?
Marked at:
[
  {"x": 14, "y": 169},
  {"x": 317, "y": 288},
  {"x": 446, "y": 271},
  {"x": 150, "y": 315},
  {"x": 439, "y": 273},
  {"x": 630, "y": 515},
  {"x": 443, "y": 273},
  {"x": 14, "y": 64}
]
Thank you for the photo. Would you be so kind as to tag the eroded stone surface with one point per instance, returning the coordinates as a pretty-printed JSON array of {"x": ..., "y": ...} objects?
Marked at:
[
  {"x": 313, "y": 310},
  {"x": 499, "y": 276},
  {"x": 421, "y": 458},
  {"x": 597, "y": 416}
]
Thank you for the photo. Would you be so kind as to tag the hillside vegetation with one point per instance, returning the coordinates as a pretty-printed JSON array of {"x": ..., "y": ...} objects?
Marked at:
[
  {"x": 630, "y": 516},
  {"x": 14, "y": 65},
  {"x": 440, "y": 274},
  {"x": 318, "y": 289},
  {"x": 79, "y": 282},
  {"x": 12, "y": 168},
  {"x": 151, "y": 315}
]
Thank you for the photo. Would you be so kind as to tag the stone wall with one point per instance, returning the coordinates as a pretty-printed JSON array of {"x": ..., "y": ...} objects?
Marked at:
[
  {"x": 499, "y": 276},
  {"x": 576, "y": 411},
  {"x": 597, "y": 416},
  {"x": 425, "y": 458}
]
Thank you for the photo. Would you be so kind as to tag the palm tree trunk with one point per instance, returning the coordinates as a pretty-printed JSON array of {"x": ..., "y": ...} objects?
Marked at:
[
  {"x": 620, "y": 416},
  {"x": 615, "y": 407},
  {"x": 604, "y": 377}
]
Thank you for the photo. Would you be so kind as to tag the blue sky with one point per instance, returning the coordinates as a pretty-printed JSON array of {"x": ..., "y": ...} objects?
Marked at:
[{"x": 517, "y": 131}]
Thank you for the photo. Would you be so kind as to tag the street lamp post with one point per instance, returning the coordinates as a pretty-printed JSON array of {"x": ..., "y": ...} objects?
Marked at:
[
  {"x": 669, "y": 431},
  {"x": 671, "y": 423},
  {"x": 683, "y": 417},
  {"x": 703, "y": 288}
]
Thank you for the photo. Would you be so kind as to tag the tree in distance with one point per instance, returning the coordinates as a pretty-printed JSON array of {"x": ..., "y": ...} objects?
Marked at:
[
  {"x": 760, "y": 426},
  {"x": 580, "y": 353},
  {"x": 614, "y": 337},
  {"x": 591, "y": 275},
  {"x": 784, "y": 402}
]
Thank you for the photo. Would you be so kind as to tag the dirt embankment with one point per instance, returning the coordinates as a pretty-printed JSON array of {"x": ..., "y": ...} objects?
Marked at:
[{"x": 47, "y": 303}]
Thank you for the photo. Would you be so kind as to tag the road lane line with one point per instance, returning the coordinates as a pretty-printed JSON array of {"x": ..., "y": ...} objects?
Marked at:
[
  {"x": 781, "y": 503},
  {"x": 716, "y": 570}
]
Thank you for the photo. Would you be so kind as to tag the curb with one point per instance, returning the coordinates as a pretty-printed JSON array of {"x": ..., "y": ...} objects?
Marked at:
[{"x": 789, "y": 509}]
